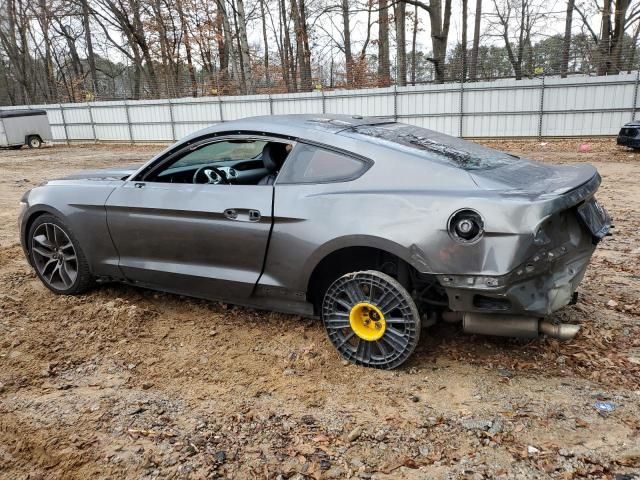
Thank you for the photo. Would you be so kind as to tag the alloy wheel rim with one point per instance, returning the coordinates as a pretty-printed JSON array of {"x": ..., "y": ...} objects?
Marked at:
[
  {"x": 54, "y": 256},
  {"x": 366, "y": 346}
]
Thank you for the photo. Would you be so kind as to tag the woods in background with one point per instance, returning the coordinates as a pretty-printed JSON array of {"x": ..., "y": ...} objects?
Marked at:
[{"x": 84, "y": 50}]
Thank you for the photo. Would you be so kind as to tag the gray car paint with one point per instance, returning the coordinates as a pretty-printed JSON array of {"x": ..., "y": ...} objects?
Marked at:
[{"x": 174, "y": 238}]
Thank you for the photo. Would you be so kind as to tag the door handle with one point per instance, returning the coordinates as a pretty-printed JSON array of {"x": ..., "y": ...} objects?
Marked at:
[
  {"x": 138, "y": 185},
  {"x": 254, "y": 215},
  {"x": 242, "y": 215},
  {"x": 231, "y": 214}
]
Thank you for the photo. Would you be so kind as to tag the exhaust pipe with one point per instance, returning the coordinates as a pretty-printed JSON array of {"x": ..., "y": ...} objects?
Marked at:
[
  {"x": 561, "y": 331},
  {"x": 515, "y": 326}
]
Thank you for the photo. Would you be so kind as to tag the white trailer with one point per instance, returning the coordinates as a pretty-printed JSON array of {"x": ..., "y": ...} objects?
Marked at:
[{"x": 24, "y": 127}]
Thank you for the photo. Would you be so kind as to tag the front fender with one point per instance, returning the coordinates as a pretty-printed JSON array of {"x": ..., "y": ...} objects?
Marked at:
[{"x": 80, "y": 205}]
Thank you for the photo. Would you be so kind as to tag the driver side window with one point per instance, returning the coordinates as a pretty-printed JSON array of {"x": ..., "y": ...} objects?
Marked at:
[
  {"x": 218, "y": 160},
  {"x": 220, "y": 152}
]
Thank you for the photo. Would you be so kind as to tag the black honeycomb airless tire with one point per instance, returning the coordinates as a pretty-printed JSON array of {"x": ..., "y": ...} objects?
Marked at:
[
  {"x": 386, "y": 295},
  {"x": 57, "y": 257}
]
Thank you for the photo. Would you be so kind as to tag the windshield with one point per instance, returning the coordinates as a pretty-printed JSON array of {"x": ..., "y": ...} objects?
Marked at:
[{"x": 433, "y": 145}]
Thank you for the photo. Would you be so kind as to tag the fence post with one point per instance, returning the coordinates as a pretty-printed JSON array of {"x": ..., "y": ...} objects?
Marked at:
[
  {"x": 395, "y": 103},
  {"x": 126, "y": 110},
  {"x": 461, "y": 108},
  {"x": 635, "y": 96},
  {"x": 173, "y": 123},
  {"x": 220, "y": 108},
  {"x": 270, "y": 105},
  {"x": 93, "y": 124},
  {"x": 324, "y": 102},
  {"x": 541, "y": 111},
  {"x": 64, "y": 124}
]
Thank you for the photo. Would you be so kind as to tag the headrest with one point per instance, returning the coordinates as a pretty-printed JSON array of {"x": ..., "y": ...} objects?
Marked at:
[{"x": 274, "y": 155}]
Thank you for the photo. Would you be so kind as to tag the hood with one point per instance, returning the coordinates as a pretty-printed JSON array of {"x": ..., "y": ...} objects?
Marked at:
[
  {"x": 113, "y": 173},
  {"x": 525, "y": 177}
]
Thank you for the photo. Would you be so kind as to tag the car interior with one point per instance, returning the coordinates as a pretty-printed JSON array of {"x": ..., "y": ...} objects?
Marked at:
[{"x": 243, "y": 162}]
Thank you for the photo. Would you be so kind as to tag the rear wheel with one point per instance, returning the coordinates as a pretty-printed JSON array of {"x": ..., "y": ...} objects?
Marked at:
[
  {"x": 371, "y": 319},
  {"x": 57, "y": 257},
  {"x": 34, "y": 141}
]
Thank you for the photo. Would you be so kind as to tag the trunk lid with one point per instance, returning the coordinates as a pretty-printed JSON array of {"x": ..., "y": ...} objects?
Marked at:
[{"x": 525, "y": 177}]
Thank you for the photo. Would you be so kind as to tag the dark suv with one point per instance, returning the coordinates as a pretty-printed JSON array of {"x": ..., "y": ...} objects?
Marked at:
[{"x": 629, "y": 135}]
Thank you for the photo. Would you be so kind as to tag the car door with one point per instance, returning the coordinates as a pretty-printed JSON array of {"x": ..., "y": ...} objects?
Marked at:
[{"x": 205, "y": 240}]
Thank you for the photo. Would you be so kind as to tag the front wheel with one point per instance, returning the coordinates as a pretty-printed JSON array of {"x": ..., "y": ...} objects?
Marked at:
[
  {"x": 56, "y": 255},
  {"x": 371, "y": 319}
]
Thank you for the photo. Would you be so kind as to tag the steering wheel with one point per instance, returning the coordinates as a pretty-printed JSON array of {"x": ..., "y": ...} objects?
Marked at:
[{"x": 212, "y": 175}]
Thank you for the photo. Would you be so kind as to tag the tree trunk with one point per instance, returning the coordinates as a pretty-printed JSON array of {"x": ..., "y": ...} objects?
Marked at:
[
  {"x": 473, "y": 66},
  {"x": 617, "y": 38},
  {"x": 302, "y": 44},
  {"x": 265, "y": 39},
  {"x": 288, "y": 67},
  {"x": 384, "y": 74},
  {"x": 348, "y": 57},
  {"x": 225, "y": 46},
  {"x": 401, "y": 42},
  {"x": 89, "y": 41},
  {"x": 464, "y": 40},
  {"x": 440, "y": 21},
  {"x": 187, "y": 46},
  {"x": 308, "y": 80},
  {"x": 45, "y": 20},
  {"x": 414, "y": 57},
  {"x": 245, "y": 57},
  {"x": 604, "y": 47},
  {"x": 566, "y": 42}
]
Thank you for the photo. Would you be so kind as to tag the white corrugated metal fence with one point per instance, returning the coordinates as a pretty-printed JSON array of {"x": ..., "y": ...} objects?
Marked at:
[{"x": 541, "y": 107}]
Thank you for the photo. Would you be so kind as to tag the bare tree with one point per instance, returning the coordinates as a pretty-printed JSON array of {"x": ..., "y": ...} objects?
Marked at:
[
  {"x": 464, "y": 40},
  {"x": 187, "y": 46},
  {"x": 348, "y": 57},
  {"x": 566, "y": 41},
  {"x": 243, "y": 41},
  {"x": 298, "y": 15},
  {"x": 401, "y": 42},
  {"x": 384, "y": 73},
  {"x": 265, "y": 39},
  {"x": 610, "y": 40},
  {"x": 473, "y": 66},
  {"x": 414, "y": 41},
  {"x": 514, "y": 21},
  {"x": 91, "y": 58},
  {"x": 440, "y": 20}
]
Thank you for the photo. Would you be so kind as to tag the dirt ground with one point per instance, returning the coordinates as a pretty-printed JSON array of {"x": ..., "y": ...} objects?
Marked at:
[{"x": 124, "y": 382}]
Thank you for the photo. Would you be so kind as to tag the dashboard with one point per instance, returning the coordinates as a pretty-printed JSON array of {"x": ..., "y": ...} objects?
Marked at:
[{"x": 236, "y": 171}]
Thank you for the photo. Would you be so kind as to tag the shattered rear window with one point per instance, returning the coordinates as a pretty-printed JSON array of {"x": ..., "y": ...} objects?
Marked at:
[{"x": 435, "y": 146}]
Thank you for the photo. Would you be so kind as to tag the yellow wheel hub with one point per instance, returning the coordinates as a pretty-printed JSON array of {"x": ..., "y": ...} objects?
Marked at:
[{"x": 367, "y": 321}]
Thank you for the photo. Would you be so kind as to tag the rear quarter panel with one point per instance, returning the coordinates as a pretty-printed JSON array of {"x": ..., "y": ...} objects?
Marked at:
[{"x": 401, "y": 205}]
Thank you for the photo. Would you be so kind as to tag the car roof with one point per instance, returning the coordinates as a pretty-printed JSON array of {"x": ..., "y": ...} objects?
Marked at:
[{"x": 296, "y": 125}]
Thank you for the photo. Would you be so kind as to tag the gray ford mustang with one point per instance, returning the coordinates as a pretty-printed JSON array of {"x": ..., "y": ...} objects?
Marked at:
[{"x": 378, "y": 227}]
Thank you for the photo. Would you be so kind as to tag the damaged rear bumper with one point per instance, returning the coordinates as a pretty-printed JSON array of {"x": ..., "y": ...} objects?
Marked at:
[
  {"x": 548, "y": 279},
  {"x": 517, "y": 293}
]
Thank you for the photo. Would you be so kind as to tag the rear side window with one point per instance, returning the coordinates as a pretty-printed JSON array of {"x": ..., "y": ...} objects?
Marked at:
[{"x": 311, "y": 164}]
